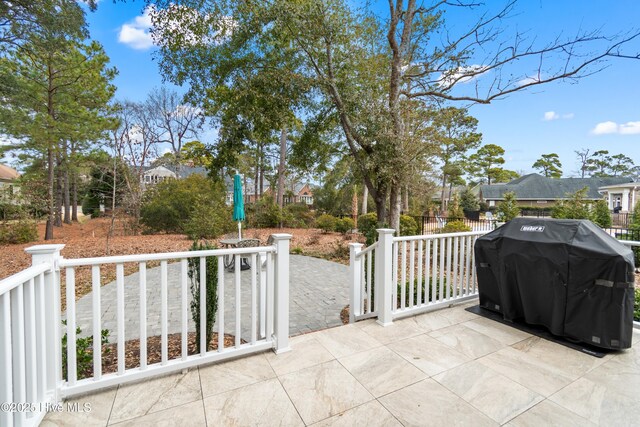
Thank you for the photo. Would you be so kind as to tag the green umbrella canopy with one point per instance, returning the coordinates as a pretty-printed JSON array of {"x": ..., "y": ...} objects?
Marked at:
[{"x": 238, "y": 200}]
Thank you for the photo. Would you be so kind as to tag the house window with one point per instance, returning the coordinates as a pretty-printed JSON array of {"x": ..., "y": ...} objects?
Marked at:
[{"x": 541, "y": 202}]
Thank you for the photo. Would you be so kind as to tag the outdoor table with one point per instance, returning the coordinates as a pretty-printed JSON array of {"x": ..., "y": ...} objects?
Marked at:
[{"x": 229, "y": 260}]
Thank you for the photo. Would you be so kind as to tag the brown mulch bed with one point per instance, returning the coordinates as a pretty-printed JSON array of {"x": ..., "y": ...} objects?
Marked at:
[{"x": 154, "y": 351}]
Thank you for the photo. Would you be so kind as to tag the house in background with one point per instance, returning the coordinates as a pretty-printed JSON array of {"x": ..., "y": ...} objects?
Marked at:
[
  {"x": 621, "y": 197},
  {"x": 535, "y": 190},
  {"x": 8, "y": 182}
]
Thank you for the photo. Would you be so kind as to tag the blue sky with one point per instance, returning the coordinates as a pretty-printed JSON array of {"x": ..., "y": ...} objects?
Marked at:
[{"x": 598, "y": 112}]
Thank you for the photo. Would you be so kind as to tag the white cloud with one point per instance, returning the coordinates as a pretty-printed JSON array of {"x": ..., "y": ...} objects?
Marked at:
[
  {"x": 609, "y": 127},
  {"x": 136, "y": 33},
  {"x": 552, "y": 115},
  {"x": 629, "y": 128}
]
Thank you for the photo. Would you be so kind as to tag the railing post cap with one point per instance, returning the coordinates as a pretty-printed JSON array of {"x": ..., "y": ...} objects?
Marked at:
[
  {"x": 44, "y": 249},
  {"x": 281, "y": 236},
  {"x": 356, "y": 245},
  {"x": 385, "y": 230}
]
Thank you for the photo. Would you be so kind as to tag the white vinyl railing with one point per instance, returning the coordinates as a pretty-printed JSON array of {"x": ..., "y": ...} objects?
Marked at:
[
  {"x": 411, "y": 274},
  {"x": 29, "y": 362},
  {"x": 253, "y": 314}
]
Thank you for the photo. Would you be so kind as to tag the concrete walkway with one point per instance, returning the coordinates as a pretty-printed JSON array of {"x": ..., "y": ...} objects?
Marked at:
[{"x": 319, "y": 291}]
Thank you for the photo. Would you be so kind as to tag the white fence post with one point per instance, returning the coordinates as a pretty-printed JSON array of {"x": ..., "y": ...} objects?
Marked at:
[
  {"x": 383, "y": 278},
  {"x": 281, "y": 329},
  {"x": 355, "y": 271},
  {"x": 50, "y": 254}
]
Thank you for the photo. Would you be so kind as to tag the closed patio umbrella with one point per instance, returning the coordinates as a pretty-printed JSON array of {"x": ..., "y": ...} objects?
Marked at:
[{"x": 238, "y": 203}]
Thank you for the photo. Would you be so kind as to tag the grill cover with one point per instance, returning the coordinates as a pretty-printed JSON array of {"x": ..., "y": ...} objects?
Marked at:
[{"x": 567, "y": 275}]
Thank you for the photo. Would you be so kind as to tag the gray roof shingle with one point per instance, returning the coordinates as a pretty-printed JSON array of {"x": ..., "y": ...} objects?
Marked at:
[{"x": 537, "y": 187}]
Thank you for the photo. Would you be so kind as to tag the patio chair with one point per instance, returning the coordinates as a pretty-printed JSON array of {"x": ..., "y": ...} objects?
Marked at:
[{"x": 244, "y": 260}]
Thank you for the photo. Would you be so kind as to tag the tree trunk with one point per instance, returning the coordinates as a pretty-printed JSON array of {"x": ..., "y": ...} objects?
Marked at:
[
  {"x": 394, "y": 207},
  {"x": 442, "y": 193},
  {"x": 74, "y": 197},
  {"x": 380, "y": 200},
  {"x": 405, "y": 200},
  {"x": 281, "y": 166},
  {"x": 58, "y": 208},
  {"x": 48, "y": 235},
  {"x": 365, "y": 199}
]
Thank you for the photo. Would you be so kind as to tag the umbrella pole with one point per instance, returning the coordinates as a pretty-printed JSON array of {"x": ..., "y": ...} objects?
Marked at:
[{"x": 239, "y": 230}]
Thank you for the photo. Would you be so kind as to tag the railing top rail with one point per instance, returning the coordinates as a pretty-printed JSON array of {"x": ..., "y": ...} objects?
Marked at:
[
  {"x": 367, "y": 250},
  {"x": 77, "y": 262},
  {"x": 438, "y": 236},
  {"x": 13, "y": 281}
]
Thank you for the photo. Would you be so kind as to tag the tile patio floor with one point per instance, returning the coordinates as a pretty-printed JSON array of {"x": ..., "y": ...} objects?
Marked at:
[{"x": 445, "y": 368}]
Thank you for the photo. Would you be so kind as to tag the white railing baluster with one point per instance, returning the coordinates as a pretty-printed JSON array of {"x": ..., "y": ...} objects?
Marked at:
[
  {"x": 456, "y": 267},
  {"x": 238, "y": 303},
  {"x": 270, "y": 295},
  {"x": 363, "y": 279},
  {"x": 419, "y": 275},
  {"x": 6, "y": 357},
  {"x": 473, "y": 270},
  {"x": 254, "y": 300},
  {"x": 369, "y": 283},
  {"x": 441, "y": 286},
  {"x": 449, "y": 275},
  {"x": 164, "y": 313},
  {"x": 434, "y": 272},
  {"x": 394, "y": 275},
  {"x": 97, "y": 332},
  {"x": 120, "y": 316},
  {"x": 263, "y": 294},
  {"x": 467, "y": 263},
  {"x": 43, "y": 351},
  {"x": 184, "y": 266},
  {"x": 71, "y": 326},
  {"x": 220, "y": 294},
  {"x": 142, "y": 268},
  {"x": 18, "y": 346},
  {"x": 427, "y": 272},
  {"x": 203, "y": 306},
  {"x": 403, "y": 277},
  {"x": 412, "y": 265},
  {"x": 30, "y": 341}
]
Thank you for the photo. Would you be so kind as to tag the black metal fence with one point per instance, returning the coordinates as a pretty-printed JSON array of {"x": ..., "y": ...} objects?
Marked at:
[{"x": 431, "y": 224}]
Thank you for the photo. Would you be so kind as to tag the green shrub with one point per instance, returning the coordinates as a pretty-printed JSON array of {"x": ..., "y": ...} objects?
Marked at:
[
  {"x": 636, "y": 306},
  {"x": 575, "y": 207},
  {"x": 169, "y": 205},
  {"x": 296, "y": 250},
  {"x": 298, "y": 215},
  {"x": 211, "y": 297},
  {"x": 601, "y": 215},
  {"x": 344, "y": 225},
  {"x": 22, "y": 231},
  {"x": 84, "y": 353},
  {"x": 508, "y": 208},
  {"x": 207, "y": 223},
  {"x": 326, "y": 222},
  {"x": 408, "y": 226},
  {"x": 468, "y": 201},
  {"x": 91, "y": 206},
  {"x": 454, "y": 227},
  {"x": 367, "y": 224},
  {"x": 265, "y": 213}
]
